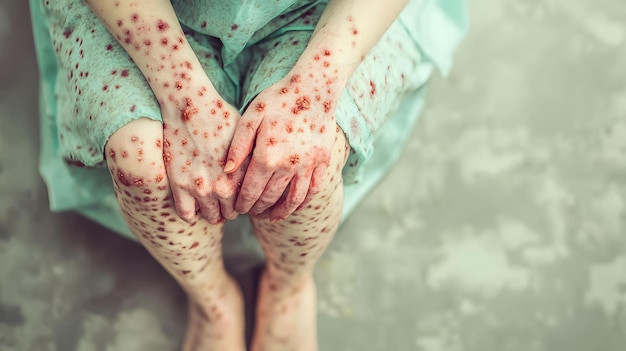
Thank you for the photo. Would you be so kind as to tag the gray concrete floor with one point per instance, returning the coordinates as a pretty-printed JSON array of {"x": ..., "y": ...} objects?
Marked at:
[{"x": 502, "y": 227}]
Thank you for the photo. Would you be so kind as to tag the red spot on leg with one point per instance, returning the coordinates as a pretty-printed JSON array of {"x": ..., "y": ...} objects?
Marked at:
[{"x": 162, "y": 26}]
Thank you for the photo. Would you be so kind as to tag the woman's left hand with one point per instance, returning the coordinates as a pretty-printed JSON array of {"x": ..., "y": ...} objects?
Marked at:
[{"x": 290, "y": 130}]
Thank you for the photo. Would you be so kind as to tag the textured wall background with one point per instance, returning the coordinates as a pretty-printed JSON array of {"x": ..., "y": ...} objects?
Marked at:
[{"x": 502, "y": 229}]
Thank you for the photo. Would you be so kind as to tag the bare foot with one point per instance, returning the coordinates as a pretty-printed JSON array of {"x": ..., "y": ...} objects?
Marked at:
[
  {"x": 286, "y": 321},
  {"x": 217, "y": 324}
]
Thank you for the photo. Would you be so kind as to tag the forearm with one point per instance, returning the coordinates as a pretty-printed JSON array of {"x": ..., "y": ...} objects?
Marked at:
[
  {"x": 346, "y": 32},
  {"x": 151, "y": 34}
]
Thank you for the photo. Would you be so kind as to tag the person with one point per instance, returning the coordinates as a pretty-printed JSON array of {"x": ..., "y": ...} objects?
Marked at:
[{"x": 203, "y": 110}]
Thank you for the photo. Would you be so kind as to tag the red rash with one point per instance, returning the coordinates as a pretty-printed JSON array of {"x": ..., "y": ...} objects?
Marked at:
[
  {"x": 162, "y": 25},
  {"x": 260, "y": 106},
  {"x": 373, "y": 86},
  {"x": 294, "y": 159},
  {"x": 302, "y": 103},
  {"x": 327, "y": 106},
  {"x": 134, "y": 17}
]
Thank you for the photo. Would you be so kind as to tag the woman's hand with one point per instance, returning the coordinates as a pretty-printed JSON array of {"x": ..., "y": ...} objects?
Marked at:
[
  {"x": 291, "y": 127},
  {"x": 197, "y": 132}
]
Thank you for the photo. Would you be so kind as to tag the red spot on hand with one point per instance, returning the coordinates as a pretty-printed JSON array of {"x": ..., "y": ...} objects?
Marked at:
[
  {"x": 284, "y": 91},
  {"x": 289, "y": 128},
  {"x": 302, "y": 103},
  {"x": 260, "y": 106},
  {"x": 295, "y": 78},
  {"x": 294, "y": 159},
  {"x": 326, "y": 52},
  {"x": 327, "y": 106},
  {"x": 271, "y": 141}
]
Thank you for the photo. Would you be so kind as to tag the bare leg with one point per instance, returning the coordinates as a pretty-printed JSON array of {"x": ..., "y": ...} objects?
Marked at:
[
  {"x": 190, "y": 252},
  {"x": 286, "y": 306}
]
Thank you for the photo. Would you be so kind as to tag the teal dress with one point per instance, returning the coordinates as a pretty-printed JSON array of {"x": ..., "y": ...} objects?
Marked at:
[{"x": 90, "y": 88}]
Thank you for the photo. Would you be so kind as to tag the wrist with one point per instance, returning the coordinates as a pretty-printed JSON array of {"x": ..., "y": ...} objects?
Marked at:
[{"x": 320, "y": 71}]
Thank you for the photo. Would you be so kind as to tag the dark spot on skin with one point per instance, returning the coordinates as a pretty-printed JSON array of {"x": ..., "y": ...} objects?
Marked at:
[
  {"x": 260, "y": 106},
  {"x": 373, "y": 88},
  {"x": 162, "y": 26}
]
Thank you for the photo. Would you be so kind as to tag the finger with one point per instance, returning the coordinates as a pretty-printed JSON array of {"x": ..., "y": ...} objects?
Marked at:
[
  {"x": 185, "y": 205},
  {"x": 272, "y": 192},
  {"x": 227, "y": 207},
  {"x": 210, "y": 209},
  {"x": 242, "y": 143},
  {"x": 297, "y": 193},
  {"x": 318, "y": 178},
  {"x": 254, "y": 183},
  {"x": 316, "y": 183}
]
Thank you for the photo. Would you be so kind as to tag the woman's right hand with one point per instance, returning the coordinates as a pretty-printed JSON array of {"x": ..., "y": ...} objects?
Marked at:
[{"x": 197, "y": 130}]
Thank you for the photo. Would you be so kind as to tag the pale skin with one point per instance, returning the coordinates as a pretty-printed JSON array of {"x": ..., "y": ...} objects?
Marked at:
[{"x": 280, "y": 162}]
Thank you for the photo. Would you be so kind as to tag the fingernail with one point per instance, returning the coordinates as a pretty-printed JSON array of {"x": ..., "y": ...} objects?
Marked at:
[{"x": 230, "y": 166}]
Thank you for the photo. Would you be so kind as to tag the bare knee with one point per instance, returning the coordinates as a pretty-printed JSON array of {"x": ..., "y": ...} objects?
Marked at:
[{"x": 134, "y": 155}]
